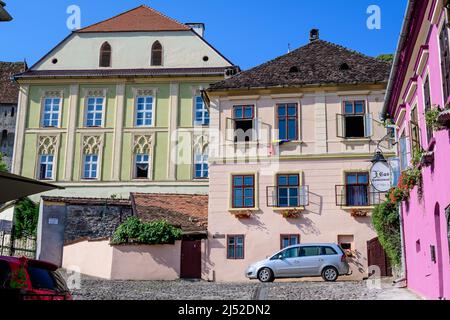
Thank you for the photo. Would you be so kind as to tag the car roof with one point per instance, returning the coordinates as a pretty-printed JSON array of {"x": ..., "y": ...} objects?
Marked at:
[
  {"x": 313, "y": 245},
  {"x": 31, "y": 262}
]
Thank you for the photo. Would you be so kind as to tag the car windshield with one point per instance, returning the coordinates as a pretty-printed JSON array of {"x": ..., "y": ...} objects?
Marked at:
[{"x": 45, "y": 279}]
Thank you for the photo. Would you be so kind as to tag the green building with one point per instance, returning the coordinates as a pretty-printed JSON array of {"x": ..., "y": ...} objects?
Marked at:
[{"x": 116, "y": 108}]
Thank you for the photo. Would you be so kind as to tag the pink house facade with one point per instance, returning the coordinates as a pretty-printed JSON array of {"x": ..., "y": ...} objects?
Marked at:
[
  {"x": 290, "y": 149},
  {"x": 420, "y": 82}
]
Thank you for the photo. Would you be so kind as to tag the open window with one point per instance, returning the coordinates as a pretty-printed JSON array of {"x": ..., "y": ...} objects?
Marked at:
[
  {"x": 354, "y": 122},
  {"x": 244, "y": 126}
]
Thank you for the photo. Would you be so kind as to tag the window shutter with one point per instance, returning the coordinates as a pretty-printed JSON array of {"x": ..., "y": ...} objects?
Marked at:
[
  {"x": 256, "y": 129},
  {"x": 304, "y": 196},
  {"x": 229, "y": 130},
  {"x": 368, "y": 127},
  {"x": 340, "y": 130}
]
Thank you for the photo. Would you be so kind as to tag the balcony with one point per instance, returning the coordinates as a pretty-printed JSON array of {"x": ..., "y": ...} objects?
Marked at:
[
  {"x": 287, "y": 198},
  {"x": 358, "y": 196}
]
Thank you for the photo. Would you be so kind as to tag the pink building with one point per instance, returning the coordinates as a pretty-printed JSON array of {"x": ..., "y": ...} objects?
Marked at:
[
  {"x": 301, "y": 171},
  {"x": 420, "y": 82}
]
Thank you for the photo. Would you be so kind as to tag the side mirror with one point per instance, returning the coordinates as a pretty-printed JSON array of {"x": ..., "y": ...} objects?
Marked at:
[{"x": 280, "y": 257}]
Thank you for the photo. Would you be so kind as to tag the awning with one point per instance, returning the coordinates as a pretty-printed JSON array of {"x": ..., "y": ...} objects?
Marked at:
[
  {"x": 14, "y": 187},
  {"x": 4, "y": 15}
]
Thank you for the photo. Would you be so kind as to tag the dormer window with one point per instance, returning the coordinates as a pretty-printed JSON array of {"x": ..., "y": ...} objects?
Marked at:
[
  {"x": 157, "y": 51},
  {"x": 105, "y": 55}
]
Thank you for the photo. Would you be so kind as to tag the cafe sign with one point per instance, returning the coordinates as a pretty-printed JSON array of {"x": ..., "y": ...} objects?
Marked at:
[{"x": 381, "y": 176}]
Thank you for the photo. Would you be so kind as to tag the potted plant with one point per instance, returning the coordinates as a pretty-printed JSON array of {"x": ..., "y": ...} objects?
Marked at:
[
  {"x": 243, "y": 214},
  {"x": 358, "y": 213},
  {"x": 444, "y": 117},
  {"x": 291, "y": 213}
]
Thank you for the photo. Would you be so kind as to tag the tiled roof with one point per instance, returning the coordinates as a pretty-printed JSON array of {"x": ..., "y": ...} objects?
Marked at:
[
  {"x": 88, "y": 201},
  {"x": 190, "y": 212},
  {"x": 317, "y": 63},
  {"x": 142, "y": 18},
  {"x": 219, "y": 71},
  {"x": 9, "y": 91}
]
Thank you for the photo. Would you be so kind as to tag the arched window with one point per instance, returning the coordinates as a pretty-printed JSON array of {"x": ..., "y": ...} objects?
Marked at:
[
  {"x": 157, "y": 51},
  {"x": 105, "y": 55}
]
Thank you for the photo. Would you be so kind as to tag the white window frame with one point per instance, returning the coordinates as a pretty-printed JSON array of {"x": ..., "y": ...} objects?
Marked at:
[
  {"x": 151, "y": 111},
  {"x": 87, "y": 112},
  {"x": 90, "y": 163},
  {"x": 47, "y": 163},
  {"x": 201, "y": 159},
  {"x": 203, "y": 110},
  {"x": 136, "y": 162},
  {"x": 51, "y": 112}
]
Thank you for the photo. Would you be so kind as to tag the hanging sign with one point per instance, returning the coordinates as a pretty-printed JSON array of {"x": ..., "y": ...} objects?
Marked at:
[{"x": 381, "y": 176}]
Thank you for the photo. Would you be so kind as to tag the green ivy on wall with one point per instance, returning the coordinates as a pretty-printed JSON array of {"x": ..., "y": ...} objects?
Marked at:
[
  {"x": 26, "y": 215},
  {"x": 134, "y": 231}
]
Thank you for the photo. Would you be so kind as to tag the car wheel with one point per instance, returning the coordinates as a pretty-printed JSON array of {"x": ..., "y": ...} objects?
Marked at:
[
  {"x": 265, "y": 275},
  {"x": 330, "y": 274}
]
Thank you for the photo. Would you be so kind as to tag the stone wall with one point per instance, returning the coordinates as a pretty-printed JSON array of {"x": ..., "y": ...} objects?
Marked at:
[
  {"x": 93, "y": 221},
  {"x": 7, "y": 131}
]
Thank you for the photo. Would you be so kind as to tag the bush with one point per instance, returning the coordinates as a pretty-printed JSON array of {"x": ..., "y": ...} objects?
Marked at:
[
  {"x": 134, "y": 231},
  {"x": 26, "y": 217},
  {"x": 386, "y": 221},
  {"x": 3, "y": 166}
]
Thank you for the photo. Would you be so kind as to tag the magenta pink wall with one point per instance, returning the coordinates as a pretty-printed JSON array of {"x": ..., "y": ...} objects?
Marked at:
[{"x": 419, "y": 212}]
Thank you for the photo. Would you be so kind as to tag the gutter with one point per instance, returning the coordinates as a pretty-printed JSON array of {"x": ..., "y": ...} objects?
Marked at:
[{"x": 396, "y": 64}]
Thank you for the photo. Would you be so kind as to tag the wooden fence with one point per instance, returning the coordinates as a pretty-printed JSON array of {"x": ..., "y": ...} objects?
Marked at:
[{"x": 18, "y": 247}]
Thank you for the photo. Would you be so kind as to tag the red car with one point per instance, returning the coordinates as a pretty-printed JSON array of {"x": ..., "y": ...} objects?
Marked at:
[{"x": 27, "y": 279}]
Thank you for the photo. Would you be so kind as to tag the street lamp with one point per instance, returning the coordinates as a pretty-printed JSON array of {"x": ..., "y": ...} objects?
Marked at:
[
  {"x": 378, "y": 157},
  {"x": 4, "y": 15}
]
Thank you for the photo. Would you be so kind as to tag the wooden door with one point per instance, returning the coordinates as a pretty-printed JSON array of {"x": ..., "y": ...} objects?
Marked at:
[
  {"x": 376, "y": 256},
  {"x": 191, "y": 259}
]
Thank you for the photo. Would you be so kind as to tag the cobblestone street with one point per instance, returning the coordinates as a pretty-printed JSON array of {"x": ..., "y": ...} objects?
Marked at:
[{"x": 92, "y": 289}]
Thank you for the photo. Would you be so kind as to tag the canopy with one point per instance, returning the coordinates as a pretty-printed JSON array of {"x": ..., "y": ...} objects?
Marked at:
[{"x": 14, "y": 187}]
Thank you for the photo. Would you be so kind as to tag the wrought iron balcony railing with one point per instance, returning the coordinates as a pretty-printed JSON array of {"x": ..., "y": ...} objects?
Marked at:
[{"x": 358, "y": 195}]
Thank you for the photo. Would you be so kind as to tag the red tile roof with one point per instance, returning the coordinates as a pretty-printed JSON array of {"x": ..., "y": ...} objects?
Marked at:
[
  {"x": 190, "y": 212},
  {"x": 142, "y": 18},
  {"x": 9, "y": 91}
]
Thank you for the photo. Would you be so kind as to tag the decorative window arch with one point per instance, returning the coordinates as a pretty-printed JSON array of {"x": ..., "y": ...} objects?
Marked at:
[
  {"x": 157, "y": 54},
  {"x": 92, "y": 144},
  {"x": 142, "y": 154},
  {"x": 105, "y": 55},
  {"x": 48, "y": 145},
  {"x": 47, "y": 150}
]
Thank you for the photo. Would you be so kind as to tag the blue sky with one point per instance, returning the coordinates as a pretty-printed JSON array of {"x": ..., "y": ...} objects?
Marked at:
[{"x": 248, "y": 32}]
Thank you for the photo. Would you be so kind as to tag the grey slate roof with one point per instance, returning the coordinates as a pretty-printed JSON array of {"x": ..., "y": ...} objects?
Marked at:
[
  {"x": 318, "y": 63},
  {"x": 209, "y": 71}
]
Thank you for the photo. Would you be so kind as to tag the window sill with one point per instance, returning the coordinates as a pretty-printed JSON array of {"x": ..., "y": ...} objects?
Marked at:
[
  {"x": 289, "y": 209},
  {"x": 346, "y": 208},
  {"x": 234, "y": 210},
  {"x": 353, "y": 140}
]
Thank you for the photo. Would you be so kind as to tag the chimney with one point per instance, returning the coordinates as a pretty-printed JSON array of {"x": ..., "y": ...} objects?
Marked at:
[
  {"x": 199, "y": 28},
  {"x": 313, "y": 35}
]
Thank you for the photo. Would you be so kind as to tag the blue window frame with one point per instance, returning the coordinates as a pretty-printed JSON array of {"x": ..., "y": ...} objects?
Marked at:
[
  {"x": 287, "y": 115},
  {"x": 288, "y": 190},
  {"x": 201, "y": 112},
  {"x": 46, "y": 167},
  {"x": 52, "y": 108},
  {"x": 144, "y": 111},
  {"x": 201, "y": 166},
  {"x": 142, "y": 163},
  {"x": 235, "y": 247},
  {"x": 357, "y": 189},
  {"x": 287, "y": 240},
  {"x": 94, "y": 112},
  {"x": 243, "y": 193},
  {"x": 90, "y": 166}
]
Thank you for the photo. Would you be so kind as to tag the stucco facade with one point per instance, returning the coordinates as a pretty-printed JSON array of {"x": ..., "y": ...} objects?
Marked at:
[
  {"x": 417, "y": 85},
  {"x": 319, "y": 157},
  {"x": 145, "y": 112}
]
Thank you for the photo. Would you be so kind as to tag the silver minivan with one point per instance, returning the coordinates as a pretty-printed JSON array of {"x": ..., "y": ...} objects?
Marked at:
[{"x": 327, "y": 260}]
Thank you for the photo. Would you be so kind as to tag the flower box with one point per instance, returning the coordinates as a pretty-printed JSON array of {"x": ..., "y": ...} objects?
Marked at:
[
  {"x": 444, "y": 118},
  {"x": 242, "y": 214},
  {"x": 427, "y": 159},
  {"x": 291, "y": 213},
  {"x": 356, "y": 213}
]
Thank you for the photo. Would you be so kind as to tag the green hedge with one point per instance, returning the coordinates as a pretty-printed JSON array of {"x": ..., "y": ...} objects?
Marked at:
[
  {"x": 134, "y": 231},
  {"x": 386, "y": 220}
]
